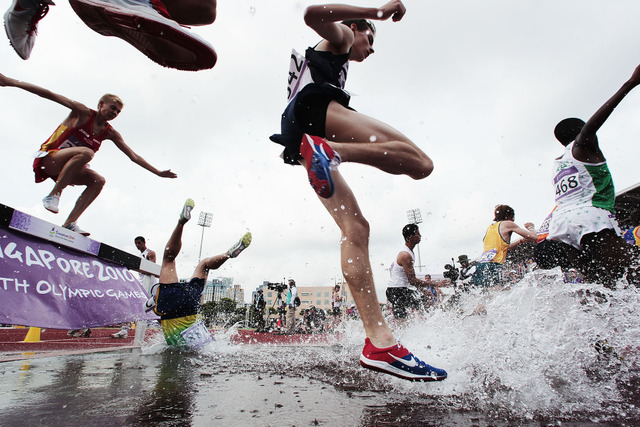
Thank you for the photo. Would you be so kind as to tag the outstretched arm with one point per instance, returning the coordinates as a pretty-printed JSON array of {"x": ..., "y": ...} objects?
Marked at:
[
  {"x": 325, "y": 19},
  {"x": 135, "y": 158},
  {"x": 528, "y": 233},
  {"x": 587, "y": 139},
  {"x": 75, "y": 107}
]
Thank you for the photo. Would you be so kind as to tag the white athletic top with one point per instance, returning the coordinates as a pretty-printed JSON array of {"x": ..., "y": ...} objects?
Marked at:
[
  {"x": 148, "y": 280},
  {"x": 580, "y": 184},
  {"x": 398, "y": 278}
]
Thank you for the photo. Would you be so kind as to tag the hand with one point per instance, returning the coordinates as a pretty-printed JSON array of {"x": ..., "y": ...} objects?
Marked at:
[
  {"x": 635, "y": 77},
  {"x": 167, "y": 174},
  {"x": 529, "y": 226},
  {"x": 5, "y": 81},
  {"x": 394, "y": 10}
]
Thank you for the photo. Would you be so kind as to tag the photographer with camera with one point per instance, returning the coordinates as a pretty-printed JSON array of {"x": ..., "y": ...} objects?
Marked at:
[
  {"x": 259, "y": 305},
  {"x": 278, "y": 304}
]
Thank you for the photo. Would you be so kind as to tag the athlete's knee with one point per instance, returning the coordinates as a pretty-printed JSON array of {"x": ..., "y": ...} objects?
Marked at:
[
  {"x": 84, "y": 154},
  {"x": 425, "y": 168},
  {"x": 98, "y": 182},
  {"x": 357, "y": 230}
]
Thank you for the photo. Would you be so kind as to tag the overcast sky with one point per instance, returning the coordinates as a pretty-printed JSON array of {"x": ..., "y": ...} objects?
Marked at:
[{"x": 479, "y": 86}]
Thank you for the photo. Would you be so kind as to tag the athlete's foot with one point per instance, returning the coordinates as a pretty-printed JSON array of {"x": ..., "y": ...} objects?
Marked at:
[
  {"x": 400, "y": 362},
  {"x": 50, "y": 203},
  {"x": 74, "y": 227},
  {"x": 320, "y": 159},
  {"x": 185, "y": 215},
  {"x": 240, "y": 246},
  {"x": 147, "y": 26},
  {"x": 21, "y": 24}
]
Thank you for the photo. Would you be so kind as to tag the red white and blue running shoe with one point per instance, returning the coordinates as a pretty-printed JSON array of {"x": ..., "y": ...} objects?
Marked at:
[
  {"x": 400, "y": 362},
  {"x": 320, "y": 158}
]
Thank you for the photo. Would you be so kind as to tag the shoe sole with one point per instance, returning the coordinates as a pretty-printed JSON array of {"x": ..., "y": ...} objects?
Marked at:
[
  {"x": 165, "y": 43},
  {"x": 189, "y": 204},
  {"x": 385, "y": 368},
  {"x": 244, "y": 244},
  {"x": 6, "y": 30}
]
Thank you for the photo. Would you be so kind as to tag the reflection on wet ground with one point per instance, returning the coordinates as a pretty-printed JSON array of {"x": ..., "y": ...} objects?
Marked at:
[
  {"x": 545, "y": 353},
  {"x": 288, "y": 386}
]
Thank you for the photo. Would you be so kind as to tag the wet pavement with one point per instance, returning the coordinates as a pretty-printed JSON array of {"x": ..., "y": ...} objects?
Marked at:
[{"x": 177, "y": 388}]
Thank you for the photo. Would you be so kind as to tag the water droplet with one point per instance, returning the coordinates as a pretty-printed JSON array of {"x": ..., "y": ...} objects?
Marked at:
[
  {"x": 349, "y": 260},
  {"x": 379, "y": 14},
  {"x": 373, "y": 138}
]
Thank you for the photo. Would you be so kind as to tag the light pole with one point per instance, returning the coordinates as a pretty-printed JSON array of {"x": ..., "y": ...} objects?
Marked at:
[
  {"x": 204, "y": 221},
  {"x": 414, "y": 216}
]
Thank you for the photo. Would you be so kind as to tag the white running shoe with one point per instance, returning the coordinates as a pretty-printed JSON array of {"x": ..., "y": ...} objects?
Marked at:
[
  {"x": 50, "y": 203},
  {"x": 121, "y": 334},
  {"x": 21, "y": 24},
  {"x": 240, "y": 246},
  {"x": 147, "y": 26},
  {"x": 151, "y": 302},
  {"x": 185, "y": 215},
  {"x": 74, "y": 227}
]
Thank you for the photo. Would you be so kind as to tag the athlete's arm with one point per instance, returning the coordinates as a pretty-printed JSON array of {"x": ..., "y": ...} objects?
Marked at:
[
  {"x": 151, "y": 256},
  {"x": 135, "y": 158},
  {"x": 325, "y": 20},
  {"x": 586, "y": 144},
  {"x": 404, "y": 260},
  {"x": 527, "y": 233},
  {"x": 78, "y": 110}
]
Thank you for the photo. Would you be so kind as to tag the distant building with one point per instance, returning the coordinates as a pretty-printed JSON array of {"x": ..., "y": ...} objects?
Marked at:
[
  {"x": 222, "y": 287},
  {"x": 318, "y": 296}
]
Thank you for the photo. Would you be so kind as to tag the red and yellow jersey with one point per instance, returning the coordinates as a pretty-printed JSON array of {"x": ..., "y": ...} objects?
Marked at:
[{"x": 81, "y": 136}]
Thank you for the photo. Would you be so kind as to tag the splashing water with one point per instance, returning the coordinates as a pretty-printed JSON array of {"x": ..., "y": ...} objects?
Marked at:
[{"x": 544, "y": 350}]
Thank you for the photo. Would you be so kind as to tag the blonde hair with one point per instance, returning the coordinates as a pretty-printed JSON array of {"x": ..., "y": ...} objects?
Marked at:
[{"x": 107, "y": 97}]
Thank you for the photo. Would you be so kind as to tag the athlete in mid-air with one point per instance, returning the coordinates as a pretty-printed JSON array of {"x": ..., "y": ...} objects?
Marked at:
[
  {"x": 319, "y": 130},
  {"x": 583, "y": 231},
  {"x": 66, "y": 154}
]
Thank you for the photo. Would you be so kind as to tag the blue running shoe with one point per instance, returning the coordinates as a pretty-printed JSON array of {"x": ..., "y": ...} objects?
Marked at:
[
  {"x": 400, "y": 362},
  {"x": 319, "y": 157}
]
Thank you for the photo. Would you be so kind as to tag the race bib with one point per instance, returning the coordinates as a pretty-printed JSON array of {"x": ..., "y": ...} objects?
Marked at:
[
  {"x": 299, "y": 74},
  {"x": 488, "y": 256},
  {"x": 197, "y": 336},
  {"x": 567, "y": 182}
]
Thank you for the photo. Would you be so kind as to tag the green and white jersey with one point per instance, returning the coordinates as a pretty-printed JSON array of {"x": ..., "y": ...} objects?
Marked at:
[{"x": 579, "y": 184}]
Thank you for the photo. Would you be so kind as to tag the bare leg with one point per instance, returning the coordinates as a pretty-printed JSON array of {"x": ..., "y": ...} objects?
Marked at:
[
  {"x": 94, "y": 182},
  {"x": 66, "y": 165},
  {"x": 212, "y": 263},
  {"x": 192, "y": 12},
  {"x": 168, "y": 273},
  {"x": 361, "y": 139},
  {"x": 354, "y": 255}
]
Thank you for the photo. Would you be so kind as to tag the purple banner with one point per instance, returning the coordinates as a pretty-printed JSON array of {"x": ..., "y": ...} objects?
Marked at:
[{"x": 48, "y": 286}]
